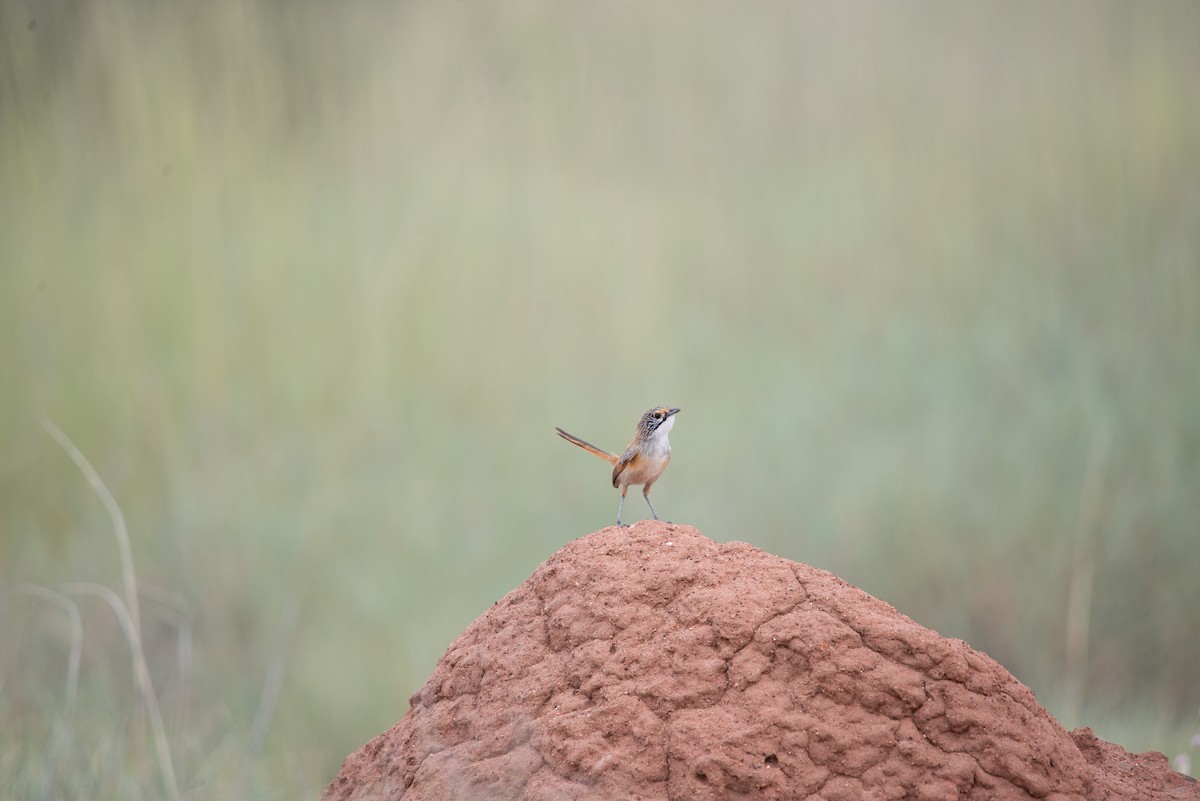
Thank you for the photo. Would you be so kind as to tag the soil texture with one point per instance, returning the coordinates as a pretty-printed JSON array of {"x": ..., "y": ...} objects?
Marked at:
[{"x": 652, "y": 663}]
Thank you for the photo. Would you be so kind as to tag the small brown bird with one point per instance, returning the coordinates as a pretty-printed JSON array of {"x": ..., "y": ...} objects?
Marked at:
[{"x": 643, "y": 461}]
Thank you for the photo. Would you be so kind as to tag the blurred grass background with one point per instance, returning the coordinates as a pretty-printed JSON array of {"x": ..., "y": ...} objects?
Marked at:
[{"x": 312, "y": 283}]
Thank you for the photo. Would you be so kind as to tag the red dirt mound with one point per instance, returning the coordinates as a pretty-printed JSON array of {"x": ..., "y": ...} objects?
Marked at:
[{"x": 653, "y": 663}]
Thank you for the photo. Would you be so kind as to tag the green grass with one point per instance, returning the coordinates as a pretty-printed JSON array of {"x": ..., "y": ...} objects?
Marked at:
[{"x": 311, "y": 286}]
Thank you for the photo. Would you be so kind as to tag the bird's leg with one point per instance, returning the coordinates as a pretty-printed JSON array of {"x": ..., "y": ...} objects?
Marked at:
[
  {"x": 646, "y": 495},
  {"x": 621, "y": 505}
]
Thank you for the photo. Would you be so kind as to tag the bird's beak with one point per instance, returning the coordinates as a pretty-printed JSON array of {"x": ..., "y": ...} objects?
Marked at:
[{"x": 672, "y": 411}]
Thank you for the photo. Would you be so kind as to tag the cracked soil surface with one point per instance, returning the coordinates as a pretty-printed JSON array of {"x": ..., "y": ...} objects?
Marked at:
[{"x": 653, "y": 663}]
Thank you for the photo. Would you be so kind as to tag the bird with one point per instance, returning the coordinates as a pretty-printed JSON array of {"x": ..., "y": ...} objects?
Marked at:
[{"x": 643, "y": 461}]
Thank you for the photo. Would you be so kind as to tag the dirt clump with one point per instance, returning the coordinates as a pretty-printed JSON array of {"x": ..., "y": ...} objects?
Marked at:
[{"x": 652, "y": 663}]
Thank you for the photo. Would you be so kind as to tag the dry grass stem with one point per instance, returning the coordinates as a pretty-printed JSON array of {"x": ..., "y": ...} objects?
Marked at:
[
  {"x": 127, "y": 612},
  {"x": 72, "y": 610}
]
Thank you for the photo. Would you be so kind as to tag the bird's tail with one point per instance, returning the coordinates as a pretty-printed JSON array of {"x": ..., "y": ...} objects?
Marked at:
[{"x": 587, "y": 446}]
